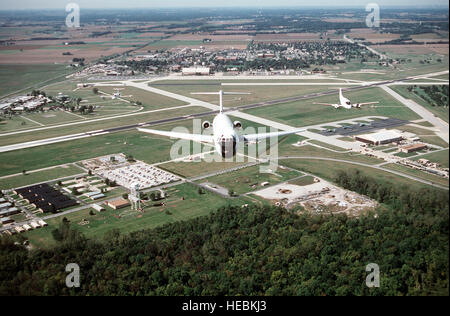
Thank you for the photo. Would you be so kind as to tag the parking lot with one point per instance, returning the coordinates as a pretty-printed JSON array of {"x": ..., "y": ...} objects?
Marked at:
[{"x": 361, "y": 128}]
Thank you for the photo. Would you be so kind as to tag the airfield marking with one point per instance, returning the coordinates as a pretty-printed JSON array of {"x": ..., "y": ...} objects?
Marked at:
[
  {"x": 94, "y": 120},
  {"x": 33, "y": 121},
  {"x": 84, "y": 118}
]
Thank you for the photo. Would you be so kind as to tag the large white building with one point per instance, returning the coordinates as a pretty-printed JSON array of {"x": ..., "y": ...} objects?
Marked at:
[
  {"x": 381, "y": 137},
  {"x": 196, "y": 71}
]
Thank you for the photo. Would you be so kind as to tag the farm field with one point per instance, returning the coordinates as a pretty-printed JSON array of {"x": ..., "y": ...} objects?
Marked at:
[
  {"x": 17, "y": 77},
  {"x": 305, "y": 113},
  {"x": 40, "y": 176},
  {"x": 416, "y": 54},
  {"x": 126, "y": 220}
]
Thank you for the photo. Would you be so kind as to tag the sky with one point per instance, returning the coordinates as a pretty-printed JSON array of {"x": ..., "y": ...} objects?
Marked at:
[{"x": 91, "y": 4}]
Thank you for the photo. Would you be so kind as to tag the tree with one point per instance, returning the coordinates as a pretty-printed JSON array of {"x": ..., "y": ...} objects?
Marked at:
[
  {"x": 95, "y": 90},
  {"x": 75, "y": 191}
]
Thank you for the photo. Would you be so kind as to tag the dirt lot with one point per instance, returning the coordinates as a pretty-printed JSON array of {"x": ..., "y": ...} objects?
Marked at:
[{"x": 320, "y": 197}]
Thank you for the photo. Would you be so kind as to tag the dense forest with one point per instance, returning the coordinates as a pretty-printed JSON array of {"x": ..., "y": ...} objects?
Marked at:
[{"x": 254, "y": 251}]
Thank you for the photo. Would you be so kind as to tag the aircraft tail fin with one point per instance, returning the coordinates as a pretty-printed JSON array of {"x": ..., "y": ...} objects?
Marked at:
[{"x": 221, "y": 93}]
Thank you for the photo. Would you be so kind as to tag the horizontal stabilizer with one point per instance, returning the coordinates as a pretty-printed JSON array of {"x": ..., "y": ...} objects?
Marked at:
[{"x": 193, "y": 137}]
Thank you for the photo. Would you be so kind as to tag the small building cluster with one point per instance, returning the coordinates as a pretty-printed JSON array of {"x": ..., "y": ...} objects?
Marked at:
[
  {"x": 24, "y": 103},
  {"x": 21, "y": 228}
]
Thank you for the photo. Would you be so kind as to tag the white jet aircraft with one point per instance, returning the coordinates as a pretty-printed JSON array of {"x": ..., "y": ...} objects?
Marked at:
[
  {"x": 345, "y": 103},
  {"x": 225, "y": 137}
]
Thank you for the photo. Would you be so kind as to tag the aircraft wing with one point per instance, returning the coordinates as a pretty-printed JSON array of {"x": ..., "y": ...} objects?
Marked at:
[
  {"x": 193, "y": 137},
  {"x": 256, "y": 137},
  {"x": 325, "y": 104}
]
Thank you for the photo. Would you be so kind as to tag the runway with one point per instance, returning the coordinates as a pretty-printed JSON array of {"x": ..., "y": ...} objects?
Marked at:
[{"x": 235, "y": 111}]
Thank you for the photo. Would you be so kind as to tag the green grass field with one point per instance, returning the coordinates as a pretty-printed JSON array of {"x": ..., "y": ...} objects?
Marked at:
[
  {"x": 89, "y": 125},
  {"x": 304, "y": 112},
  {"x": 144, "y": 147},
  {"x": 257, "y": 93},
  {"x": 329, "y": 169},
  {"x": 37, "y": 177},
  {"x": 203, "y": 167},
  {"x": 18, "y": 77},
  {"x": 328, "y": 146},
  {"x": 126, "y": 220},
  {"x": 439, "y": 111},
  {"x": 249, "y": 179},
  {"x": 303, "y": 181},
  {"x": 440, "y": 157},
  {"x": 418, "y": 174},
  {"x": 434, "y": 140},
  {"x": 150, "y": 101},
  {"x": 286, "y": 149}
]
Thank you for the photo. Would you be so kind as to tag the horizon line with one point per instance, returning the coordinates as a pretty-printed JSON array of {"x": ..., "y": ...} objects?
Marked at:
[{"x": 417, "y": 6}]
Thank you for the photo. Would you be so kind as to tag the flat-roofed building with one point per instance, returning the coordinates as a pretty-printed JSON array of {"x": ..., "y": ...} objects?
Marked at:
[
  {"x": 9, "y": 212},
  {"x": 412, "y": 148},
  {"x": 35, "y": 225},
  {"x": 98, "y": 208},
  {"x": 6, "y": 220},
  {"x": 118, "y": 204},
  {"x": 380, "y": 138},
  {"x": 5, "y": 205},
  {"x": 27, "y": 227},
  {"x": 196, "y": 71},
  {"x": 19, "y": 229}
]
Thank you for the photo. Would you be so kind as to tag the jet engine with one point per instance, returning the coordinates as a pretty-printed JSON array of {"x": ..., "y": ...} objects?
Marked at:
[
  {"x": 358, "y": 106},
  {"x": 206, "y": 125},
  {"x": 237, "y": 125}
]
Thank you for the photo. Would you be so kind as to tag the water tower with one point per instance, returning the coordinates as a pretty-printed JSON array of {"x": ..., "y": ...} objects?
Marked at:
[{"x": 135, "y": 197}]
